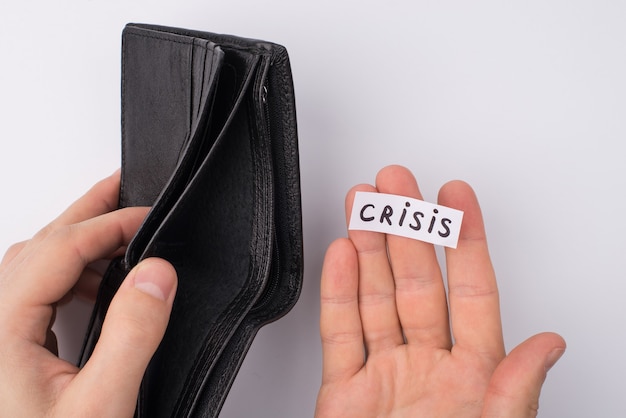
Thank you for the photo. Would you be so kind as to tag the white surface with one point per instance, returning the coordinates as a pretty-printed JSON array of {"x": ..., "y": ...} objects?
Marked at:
[{"x": 526, "y": 100}]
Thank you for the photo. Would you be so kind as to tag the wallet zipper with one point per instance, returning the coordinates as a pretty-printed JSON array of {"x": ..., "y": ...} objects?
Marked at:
[
  {"x": 272, "y": 282},
  {"x": 266, "y": 111}
]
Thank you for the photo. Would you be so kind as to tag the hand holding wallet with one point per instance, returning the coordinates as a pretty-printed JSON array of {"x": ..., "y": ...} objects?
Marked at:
[{"x": 209, "y": 141}]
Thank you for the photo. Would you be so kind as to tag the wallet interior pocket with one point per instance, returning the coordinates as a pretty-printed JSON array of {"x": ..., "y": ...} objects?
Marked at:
[{"x": 224, "y": 82}]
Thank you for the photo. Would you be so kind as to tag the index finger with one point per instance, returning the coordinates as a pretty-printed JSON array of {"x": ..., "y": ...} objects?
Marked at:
[
  {"x": 50, "y": 271},
  {"x": 101, "y": 198}
]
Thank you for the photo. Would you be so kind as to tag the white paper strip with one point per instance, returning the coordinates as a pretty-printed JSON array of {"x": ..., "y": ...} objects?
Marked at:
[{"x": 406, "y": 217}]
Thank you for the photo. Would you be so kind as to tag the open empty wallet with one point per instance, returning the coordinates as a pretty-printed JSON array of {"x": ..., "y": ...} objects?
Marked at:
[{"x": 209, "y": 141}]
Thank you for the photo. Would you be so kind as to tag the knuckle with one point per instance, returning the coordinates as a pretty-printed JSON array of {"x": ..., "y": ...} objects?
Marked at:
[
  {"x": 341, "y": 338},
  {"x": 13, "y": 251}
]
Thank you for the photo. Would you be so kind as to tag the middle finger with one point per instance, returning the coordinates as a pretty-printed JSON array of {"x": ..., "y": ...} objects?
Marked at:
[{"x": 420, "y": 293}]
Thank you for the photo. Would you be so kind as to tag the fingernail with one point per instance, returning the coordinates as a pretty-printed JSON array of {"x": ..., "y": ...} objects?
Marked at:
[
  {"x": 153, "y": 280},
  {"x": 553, "y": 357}
]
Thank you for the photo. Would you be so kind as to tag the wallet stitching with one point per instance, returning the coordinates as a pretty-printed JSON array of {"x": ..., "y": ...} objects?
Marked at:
[
  {"x": 161, "y": 38},
  {"x": 222, "y": 40}
]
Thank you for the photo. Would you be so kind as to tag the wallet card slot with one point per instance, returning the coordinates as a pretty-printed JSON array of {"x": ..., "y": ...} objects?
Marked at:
[
  {"x": 156, "y": 162},
  {"x": 156, "y": 104}
]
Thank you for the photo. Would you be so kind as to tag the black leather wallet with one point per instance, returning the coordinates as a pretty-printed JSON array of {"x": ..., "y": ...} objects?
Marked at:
[{"x": 209, "y": 141}]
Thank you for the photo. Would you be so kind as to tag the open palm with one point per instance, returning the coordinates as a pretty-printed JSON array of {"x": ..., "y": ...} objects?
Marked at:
[{"x": 395, "y": 343}]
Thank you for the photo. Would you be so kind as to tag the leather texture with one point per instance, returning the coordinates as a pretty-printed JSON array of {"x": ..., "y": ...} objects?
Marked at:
[{"x": 209, "y": 140}]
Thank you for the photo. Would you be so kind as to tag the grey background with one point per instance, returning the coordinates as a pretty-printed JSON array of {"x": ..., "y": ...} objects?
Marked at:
[{"x": 523, "y": 99}]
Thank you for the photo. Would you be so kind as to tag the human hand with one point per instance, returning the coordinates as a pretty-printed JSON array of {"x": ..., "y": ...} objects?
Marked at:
[
  {"x": 36, "y": 274},
  {"x": 395, "y": 346}
]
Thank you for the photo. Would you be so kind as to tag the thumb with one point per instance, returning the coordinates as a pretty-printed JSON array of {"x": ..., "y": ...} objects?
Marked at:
[
  {"x": 516, "y": 383},
  {"x": 132, "y": 330}
]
